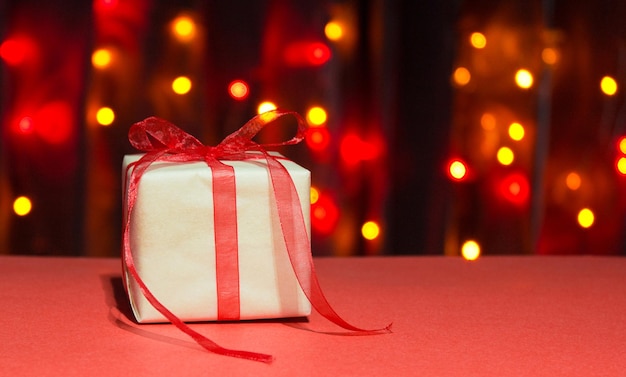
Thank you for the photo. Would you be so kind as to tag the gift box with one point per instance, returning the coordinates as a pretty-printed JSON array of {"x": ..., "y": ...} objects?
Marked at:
[{"x": 174, "y": 247}]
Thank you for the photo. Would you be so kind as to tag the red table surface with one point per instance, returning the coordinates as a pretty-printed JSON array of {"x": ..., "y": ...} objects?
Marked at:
[{"x": 498, "y": 316}]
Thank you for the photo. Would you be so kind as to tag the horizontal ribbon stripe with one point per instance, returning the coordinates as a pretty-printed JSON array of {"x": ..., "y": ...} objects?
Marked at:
[{"x": 162, "y": 141}]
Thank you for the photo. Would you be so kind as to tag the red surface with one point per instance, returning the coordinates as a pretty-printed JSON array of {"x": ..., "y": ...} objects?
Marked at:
[{"x": 498, "y": 316}]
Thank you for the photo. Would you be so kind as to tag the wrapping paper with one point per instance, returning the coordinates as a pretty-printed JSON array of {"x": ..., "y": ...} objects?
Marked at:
[{"x": 173, "y": 242}]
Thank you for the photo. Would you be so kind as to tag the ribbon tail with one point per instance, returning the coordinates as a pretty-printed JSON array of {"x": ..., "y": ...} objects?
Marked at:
[
  {"x": 129, "y": 263},
  {"x": 298, "y": 247}
]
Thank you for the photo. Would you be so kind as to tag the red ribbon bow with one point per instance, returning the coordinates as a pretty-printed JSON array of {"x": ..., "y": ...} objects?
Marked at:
[{"x": 162, "y": 141}]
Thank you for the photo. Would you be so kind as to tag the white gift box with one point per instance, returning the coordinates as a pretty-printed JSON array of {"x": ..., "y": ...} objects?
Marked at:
[{"x": 173, "y": 245}]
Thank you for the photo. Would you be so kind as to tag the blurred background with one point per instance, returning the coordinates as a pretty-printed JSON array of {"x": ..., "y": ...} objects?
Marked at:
[{"x": 436, "y": 127}]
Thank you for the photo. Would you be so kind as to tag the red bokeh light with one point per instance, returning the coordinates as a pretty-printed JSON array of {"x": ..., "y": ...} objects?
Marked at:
[
  {"x": 515, "y": 188},
  {"x": 353, "y": 149},
  {"x": 301, "y": 54},
  {"x": 324, "y": 215},
  {"x": 317, "y": 139},
  {"x": 238, "y": 89},
  {"x": 25, "y": 125},
  {"x": 17, "y": 50},
  {"x": 54, "y": 122}
]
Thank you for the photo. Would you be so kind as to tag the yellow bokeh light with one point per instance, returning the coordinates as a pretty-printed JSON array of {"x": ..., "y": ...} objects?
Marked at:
[
  {"x": 549, "y": 56},
  {"x": 621, "y": 165},
  {"x": 573, "y": 181},
  {"x": 461, "y": 76},
  {"x": 457, "y": 169},
  {"x": 181, "y": 85},
  {"x": 478, "y": 40},
  {"x": 524, "y": 79},
  {"x": 183, "y": 28},
  {"x": 370, "y": 230},
  {"x": 586, "y": 218},
  {"x": 622, "y": 145},
  {"x": 505, "y": 156},
  {"x": 265, "y": 107},
  {"x": 516, "y": 131},
  {"x": 316, "y": 116},
  {"x": 315, "y": 195},
  {"x": 608, "y": 85},
  {"x": 333, "y": 31},
  {"x": 101, "y": 58},
  {"x": 488, "y": 121},
  {"x": 105, "y": 116},
  {"x": 22, "y": 206},
  {"x": 470, "y": 250}
]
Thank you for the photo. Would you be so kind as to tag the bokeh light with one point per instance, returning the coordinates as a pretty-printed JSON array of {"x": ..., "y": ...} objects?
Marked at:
[
  {"x": 516, "y": 131},
  {"x": 25, "y": 125},
  {"x": 621, "y": 144},
  {"x": 315, "y": 195},
  {"x": 621, "y": 165},
  {"x": 317, "y": 139},
  {"x": 370, "y": 230},
  {"x": 105, "y": 116},
  {"x": 183, "y": 28},
  {"x": 478, "y": 40},
  {"x": 488, "y": 122},
  {"x": 608, "y": 85},
  {"x": 181, "y": 85},
  {"x": 333, "y": 31},
  {"x": 505, "y": 156},
  {"x": 316, "y": 116},
  {"x": 238, "y": 89},
  {"x": 457, "y": 170},
  {"x": 22, "y": 206},
  {"x": 266, "y": 106},
  {"x": 461, "y": 76},
  {"x": 101, "y": 58},
  {"x": 573, "y": 181},
  {"x": 470, "y": 250},
  {"x": 586, "y": 218},
  {"x": 524, "y": 79},
  {"x": 549, "y": 55}
]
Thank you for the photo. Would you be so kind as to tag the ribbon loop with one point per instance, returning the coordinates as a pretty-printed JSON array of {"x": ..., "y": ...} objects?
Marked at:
[{"x": 164, "y": 141}]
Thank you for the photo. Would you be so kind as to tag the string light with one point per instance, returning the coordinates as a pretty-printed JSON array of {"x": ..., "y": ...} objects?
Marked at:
[
  {"x": 608, "y": 85},
  {"x": 105, "y": 116},
  {"x": 265, "y": 107},
  {"x": 22, "y": 206},
  {"x": 316, "y": 116},
  {"x": 516, "y": 131},
  {"x": 524, "y": 79},
  {"x": 478, "y": 40},
  {"x": 586, "y": 218},
  {"x": 470, "y": 250},
  {"x": 101, "y": 58},
  {"x": 461, "y": 76},
  {"x": 181, "y": 85},
  {"x": 370, "y": 230},
  {"x": 505, "y": 156}
]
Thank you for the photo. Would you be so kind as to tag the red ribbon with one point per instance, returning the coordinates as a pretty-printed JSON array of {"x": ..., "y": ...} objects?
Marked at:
[{"x": 162, "y": 141}]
